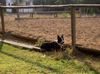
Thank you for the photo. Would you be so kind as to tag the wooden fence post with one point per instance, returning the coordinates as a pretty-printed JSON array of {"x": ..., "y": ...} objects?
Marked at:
[
  {"x": 18, "y": 16},
  {"x": 2, "y": 21},
  {"x": 73, "y": 27}
]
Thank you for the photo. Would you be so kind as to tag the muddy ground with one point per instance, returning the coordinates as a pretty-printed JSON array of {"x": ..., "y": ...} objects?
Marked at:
[{"x": 88, "y": 29}]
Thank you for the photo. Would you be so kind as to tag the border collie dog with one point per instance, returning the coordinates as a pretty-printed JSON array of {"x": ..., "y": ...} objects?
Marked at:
[{"x": 53, "y": 45}]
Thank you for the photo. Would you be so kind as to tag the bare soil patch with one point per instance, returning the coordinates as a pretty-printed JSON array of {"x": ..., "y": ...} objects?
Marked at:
[{"x": 88, "y": 29}]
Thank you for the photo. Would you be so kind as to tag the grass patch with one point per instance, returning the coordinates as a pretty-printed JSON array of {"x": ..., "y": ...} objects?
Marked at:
[{"x": 17, "y": 61}]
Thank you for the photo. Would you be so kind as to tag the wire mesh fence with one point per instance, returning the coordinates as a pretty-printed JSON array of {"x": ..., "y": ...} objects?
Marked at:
[
  {"x": 47, "y": 27},
  {"x": 88, "y": 32}
]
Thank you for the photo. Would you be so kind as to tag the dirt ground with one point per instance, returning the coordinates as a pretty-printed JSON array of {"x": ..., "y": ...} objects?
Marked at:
[{"x": 88, "y": 29}]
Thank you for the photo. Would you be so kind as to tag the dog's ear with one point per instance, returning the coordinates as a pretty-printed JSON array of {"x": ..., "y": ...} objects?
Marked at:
[
  {"x": 62, "y": 36},
  {"x": 58, "y": 37}
]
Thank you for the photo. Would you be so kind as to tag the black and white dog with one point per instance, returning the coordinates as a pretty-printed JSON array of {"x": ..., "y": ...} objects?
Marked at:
[{"x": 51, "y": 46}]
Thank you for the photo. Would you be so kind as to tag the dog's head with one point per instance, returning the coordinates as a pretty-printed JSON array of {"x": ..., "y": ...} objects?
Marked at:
[{"x": 60, "y": 39}]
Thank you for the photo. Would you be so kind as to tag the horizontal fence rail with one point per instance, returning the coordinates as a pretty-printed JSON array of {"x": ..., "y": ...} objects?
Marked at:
[
  {"x": 72, "y": 10},
  {"x": 41, "y": 6}
]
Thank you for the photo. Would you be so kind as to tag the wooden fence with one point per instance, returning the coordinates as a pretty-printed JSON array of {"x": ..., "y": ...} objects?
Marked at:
[{"x": 72, "y": 9}]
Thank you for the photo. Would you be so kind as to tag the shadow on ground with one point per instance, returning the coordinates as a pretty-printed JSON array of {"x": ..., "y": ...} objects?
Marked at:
[
  {"x": 37, "y": 63},
  {"x": 30, "y": 61}
]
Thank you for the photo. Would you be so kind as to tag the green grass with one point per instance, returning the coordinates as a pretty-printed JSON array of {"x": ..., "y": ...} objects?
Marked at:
[{"x": 18, "y": 61}]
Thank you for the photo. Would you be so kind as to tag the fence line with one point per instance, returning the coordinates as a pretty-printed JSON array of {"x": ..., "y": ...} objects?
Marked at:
[
  {"x": 72, "y": 9},
  {"x": 41, "y": 6}
]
